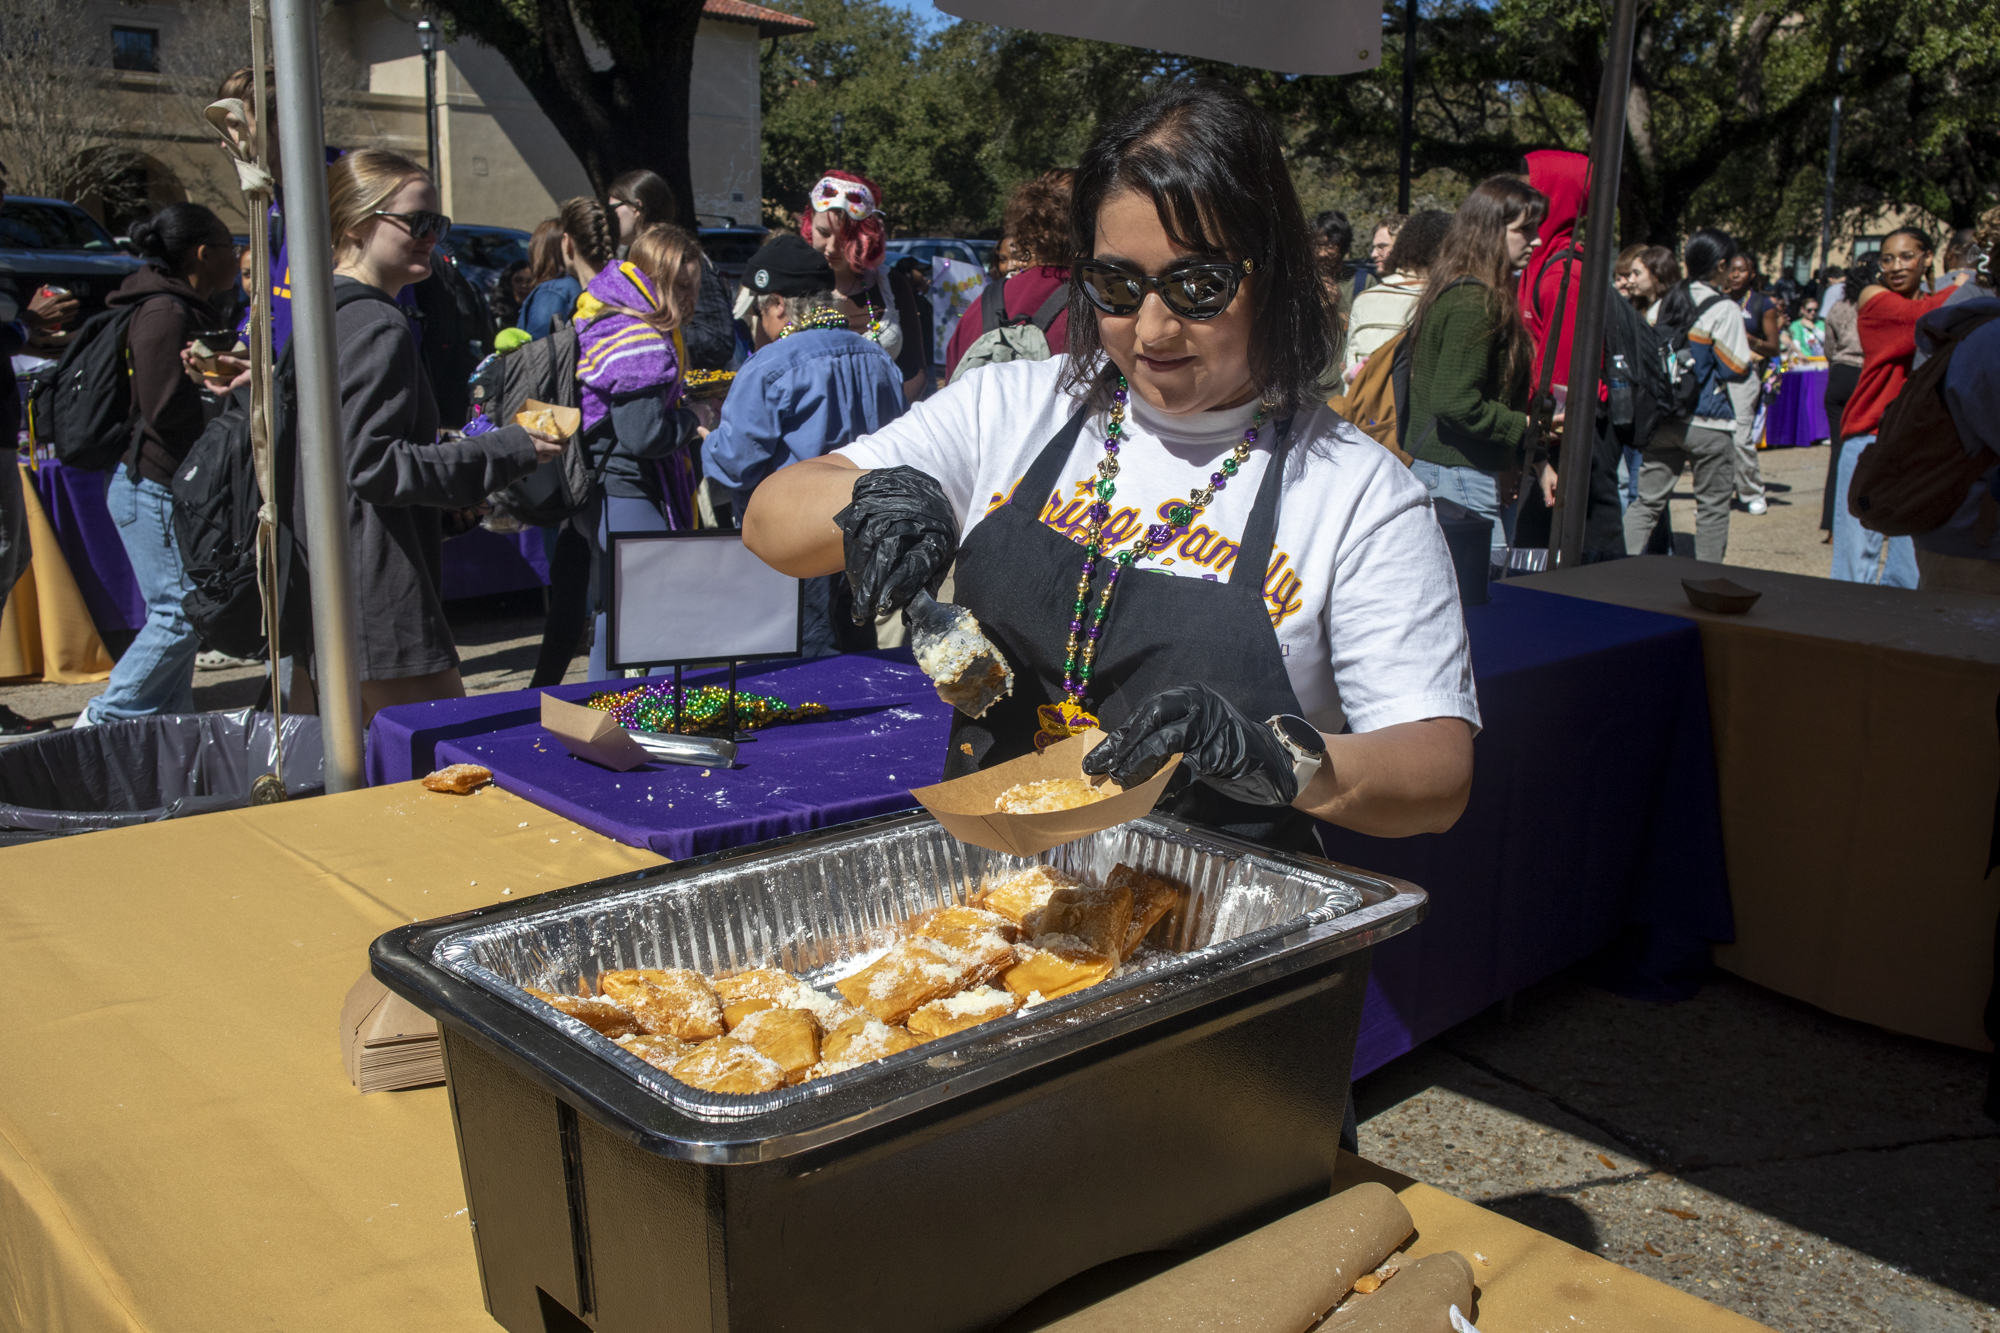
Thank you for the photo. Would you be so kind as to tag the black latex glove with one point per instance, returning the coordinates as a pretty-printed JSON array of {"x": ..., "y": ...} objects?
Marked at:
[
  {"x": 1239, "y": 758},
  {"x": 901, "y": 537}
]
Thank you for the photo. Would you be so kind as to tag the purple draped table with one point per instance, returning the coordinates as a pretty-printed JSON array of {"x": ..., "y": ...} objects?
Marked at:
[
  {"x": 1593, "y": 831},
  {"x": 1797, "y": 415},
  {"x": 475, "y": 565},
  {"x": 73, "y": 498}
]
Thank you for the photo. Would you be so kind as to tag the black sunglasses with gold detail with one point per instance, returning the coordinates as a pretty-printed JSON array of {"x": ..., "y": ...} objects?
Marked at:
[
  {"x": 422, "y": 225},
  {"x": 1194, "y": 291}
]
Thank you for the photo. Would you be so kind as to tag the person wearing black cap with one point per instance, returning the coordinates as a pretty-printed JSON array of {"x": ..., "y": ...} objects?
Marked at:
[{"x": 811, "y": 386}]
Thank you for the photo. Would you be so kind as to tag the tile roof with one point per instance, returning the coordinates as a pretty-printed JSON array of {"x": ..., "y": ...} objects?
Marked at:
[{"x": 770, "y": 22}]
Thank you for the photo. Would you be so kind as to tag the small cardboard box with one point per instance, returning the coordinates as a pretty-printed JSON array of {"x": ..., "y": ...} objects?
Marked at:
[
  {"x": 568, "y": 419},
  {"x": 591, "y": 733},
  {"x": 965, "y": 805}
]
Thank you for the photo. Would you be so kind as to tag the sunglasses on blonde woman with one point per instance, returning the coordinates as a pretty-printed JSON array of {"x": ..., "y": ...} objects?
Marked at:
[{"x": 422, "y": 225}]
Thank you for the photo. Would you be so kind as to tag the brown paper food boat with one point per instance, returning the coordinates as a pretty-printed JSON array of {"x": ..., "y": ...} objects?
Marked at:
[
  {"x": 567, "y": 419},
  {"x": 965, "y": 805}
]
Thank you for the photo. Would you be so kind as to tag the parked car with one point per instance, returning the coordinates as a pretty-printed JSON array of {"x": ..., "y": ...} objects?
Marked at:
[
  {"x": 482, "y": 253},
  {"x": 51, "y": 243},
  {"x": 927, "y": 248},
  {"x": 730, "y": 248}
]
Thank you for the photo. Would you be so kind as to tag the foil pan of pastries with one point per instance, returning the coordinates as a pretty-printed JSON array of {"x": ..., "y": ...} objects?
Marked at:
[{"x": 752, "y": 1004}]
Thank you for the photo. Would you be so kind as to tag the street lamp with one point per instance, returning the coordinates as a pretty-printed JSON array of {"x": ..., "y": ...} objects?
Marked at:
[
  {"x": 839, "y": 125},
  {"x": 417, "y": 12},
  {"x": 427, "y": 43}
]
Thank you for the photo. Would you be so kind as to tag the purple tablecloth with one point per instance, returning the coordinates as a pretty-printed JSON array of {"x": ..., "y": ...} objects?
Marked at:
[
  {"x": 1593, "y": 827},
  {"x": 475, "y": 565},
  {"x": 1594, "y": 830},
  {"x": 481, "y": 563},
  {"x": 886, "y": 736},
  {"x": 1797, "y": 415},
  {"x": 74, "y": 501}
]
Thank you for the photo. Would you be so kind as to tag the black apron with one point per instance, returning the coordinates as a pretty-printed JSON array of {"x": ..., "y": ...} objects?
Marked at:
[{"x": 1019, "y": 577}]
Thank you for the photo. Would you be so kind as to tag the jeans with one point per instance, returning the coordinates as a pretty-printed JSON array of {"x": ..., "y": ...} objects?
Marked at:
[
  {"x": 156, "y": 674},
  {"x": 608, "y": 514},
  {"x": 1634, "y": 460},
  {"x": 1711, "y": 455},
  {"x": 1468, "y": 486},
  {"x": 1861, "y": 556}
]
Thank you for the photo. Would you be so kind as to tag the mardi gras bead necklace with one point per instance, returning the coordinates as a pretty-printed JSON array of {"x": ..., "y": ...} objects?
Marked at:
[
  {"x": 651, "y": 708},
  {"x": 823, "y": 317},
  {"x": 1070, "y": 717},
  {"x": 826, "y": 317}
]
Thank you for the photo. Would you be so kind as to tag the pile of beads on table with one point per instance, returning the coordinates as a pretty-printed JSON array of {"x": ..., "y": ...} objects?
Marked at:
[{"x": 651, "y": 708}]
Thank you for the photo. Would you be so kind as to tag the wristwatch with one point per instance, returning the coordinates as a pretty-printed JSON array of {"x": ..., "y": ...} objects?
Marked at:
[{"x": 1302, "y": 742}]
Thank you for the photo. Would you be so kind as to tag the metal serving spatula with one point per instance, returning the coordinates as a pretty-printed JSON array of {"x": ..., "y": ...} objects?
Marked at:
[{"x": 971, "y": 674}]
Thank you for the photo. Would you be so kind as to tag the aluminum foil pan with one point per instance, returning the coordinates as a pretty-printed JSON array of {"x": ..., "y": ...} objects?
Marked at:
[{"x": 820, "y": 905}]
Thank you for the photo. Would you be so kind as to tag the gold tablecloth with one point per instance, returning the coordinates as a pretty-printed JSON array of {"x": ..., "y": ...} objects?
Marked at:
[
  {"x": 1858, "y": 760},
  {"x": 45, "y": 629},
  {"x": 181, "y": 1153}
]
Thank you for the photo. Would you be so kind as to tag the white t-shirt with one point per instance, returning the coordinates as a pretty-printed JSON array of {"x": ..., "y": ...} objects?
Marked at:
[{"x": 1360, "y": 586}]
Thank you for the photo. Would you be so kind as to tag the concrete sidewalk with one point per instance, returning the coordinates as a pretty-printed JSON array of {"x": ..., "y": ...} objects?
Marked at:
[{"x": 1807, "y": 1171}]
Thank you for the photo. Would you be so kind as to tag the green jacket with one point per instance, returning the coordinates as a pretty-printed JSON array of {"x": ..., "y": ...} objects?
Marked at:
[{"x": 1461, "y": 415}]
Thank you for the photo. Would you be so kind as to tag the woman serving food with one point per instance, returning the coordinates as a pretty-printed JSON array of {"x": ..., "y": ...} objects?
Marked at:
[{"x": 1165, "y": 531}]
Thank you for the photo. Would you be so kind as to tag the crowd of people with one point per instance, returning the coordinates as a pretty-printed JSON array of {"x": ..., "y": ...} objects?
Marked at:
[{"x": 1451, "y": 346}]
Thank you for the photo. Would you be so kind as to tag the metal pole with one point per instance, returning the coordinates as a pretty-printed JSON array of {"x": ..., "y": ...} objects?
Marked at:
[
  {"x": 1832, "y": 161},
  {"x": 1600, "y": 247},
  {"x": 301, "y": 132},
  {"x": 1409, "y": 104},
  {"x": 427, "y": 40}
]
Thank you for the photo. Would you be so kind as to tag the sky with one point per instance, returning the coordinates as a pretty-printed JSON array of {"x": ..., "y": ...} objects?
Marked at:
[{"x": 924, "y": 10}]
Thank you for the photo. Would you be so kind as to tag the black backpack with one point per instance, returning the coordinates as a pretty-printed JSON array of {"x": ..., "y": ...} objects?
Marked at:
[
  {"x": 544, "y": 370},
  {"x": 82, "y": 406},
  {"x": 1658, "y": 370},
  {"x": 215, "y": 519},
  {"x": 458, "y": 333}
]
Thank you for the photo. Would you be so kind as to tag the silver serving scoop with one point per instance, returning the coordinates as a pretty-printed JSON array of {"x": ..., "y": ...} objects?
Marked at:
[{"x": 971, "y": 674}]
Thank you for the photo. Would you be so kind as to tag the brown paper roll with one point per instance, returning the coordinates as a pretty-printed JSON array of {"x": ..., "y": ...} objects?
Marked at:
[
  {"x": 1418, "y": 1299},
  {"x": 1279, "y": 1279}
]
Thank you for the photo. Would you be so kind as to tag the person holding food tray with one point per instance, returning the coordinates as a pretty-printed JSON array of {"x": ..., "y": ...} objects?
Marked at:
[{"x": 1166, "y": 531}]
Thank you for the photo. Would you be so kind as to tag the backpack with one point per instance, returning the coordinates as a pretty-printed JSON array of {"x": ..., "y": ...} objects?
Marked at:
[
  {"x": 1917, "y": 473},
  {"x": 458, "y": 332},
  {"x": 544, "y": 370},
  {"x": 1659, "y": 365},
  {"x": 216, "y": 500},
  {"x": 1022, "y": 338},
  {"x": 82, "y": 406},
  {"x": 1686, "y": 384},
  {"x": 1378, "y": 402}
]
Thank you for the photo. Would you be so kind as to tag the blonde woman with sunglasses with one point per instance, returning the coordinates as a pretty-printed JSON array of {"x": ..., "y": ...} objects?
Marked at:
[
  {"x": 1166, "y": 531},
  {"x": 402, "y": 478}
]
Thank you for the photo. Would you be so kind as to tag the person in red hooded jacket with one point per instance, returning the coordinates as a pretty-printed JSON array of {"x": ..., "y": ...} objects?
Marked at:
[{"x": 1550, "y": 316}]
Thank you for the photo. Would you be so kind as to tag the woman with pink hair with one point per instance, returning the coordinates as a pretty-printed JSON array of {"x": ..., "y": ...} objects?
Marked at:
[{"x": 846, "y": 225}]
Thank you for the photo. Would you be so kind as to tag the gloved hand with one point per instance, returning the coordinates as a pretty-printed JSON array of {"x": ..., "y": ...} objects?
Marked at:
[
  {"x": 1218, "y": 744},
  {"x": 901, "y": 537}
]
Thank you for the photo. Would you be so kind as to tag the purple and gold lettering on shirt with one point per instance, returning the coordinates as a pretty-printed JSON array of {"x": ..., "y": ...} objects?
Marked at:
[{"x": 1201, "y": 546}]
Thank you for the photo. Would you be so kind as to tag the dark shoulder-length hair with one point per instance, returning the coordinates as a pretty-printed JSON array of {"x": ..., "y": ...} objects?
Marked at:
[{"x": 1212, "y": 164}]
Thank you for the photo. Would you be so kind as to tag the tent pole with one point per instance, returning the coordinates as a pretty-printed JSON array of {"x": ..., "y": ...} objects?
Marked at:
[
  {"x": 301, "y": 132},
  {"x": 1600, "y": 248}
]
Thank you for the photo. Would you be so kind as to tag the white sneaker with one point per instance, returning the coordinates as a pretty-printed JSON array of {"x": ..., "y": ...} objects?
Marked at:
[
  {"x": 1756, "y": 507},
  {"x": 215, "y": 661},
  {"x": 83, "y": 719}
]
